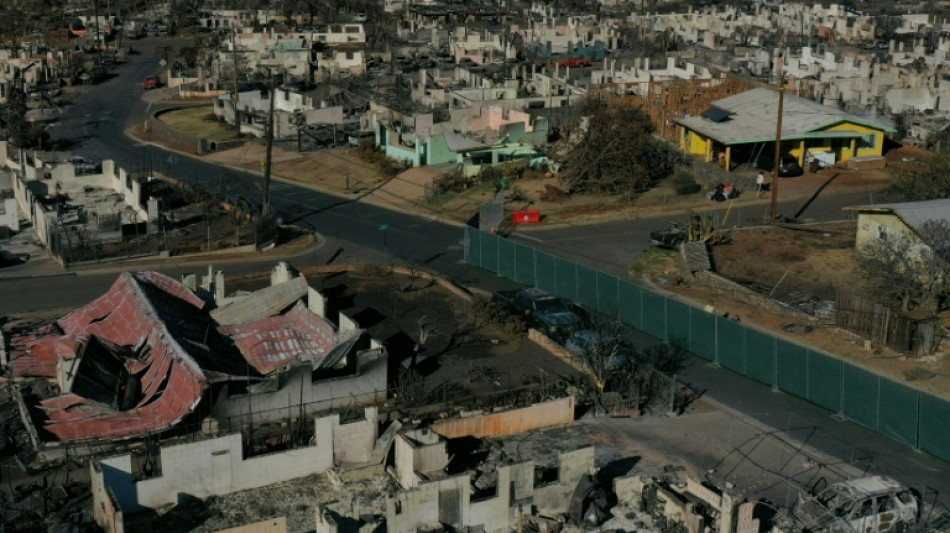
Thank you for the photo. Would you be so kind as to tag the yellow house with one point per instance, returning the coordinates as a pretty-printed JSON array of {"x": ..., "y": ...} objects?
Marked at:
[
  {"x": 899, "y": 220},
  {"x": 741, "y": 129}
]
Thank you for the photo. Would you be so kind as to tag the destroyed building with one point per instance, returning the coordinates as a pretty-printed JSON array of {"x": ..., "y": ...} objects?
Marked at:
[
  {"x": 474, "y": 137},
  {"x": 422, "y": 490},
  {"x": 433, "y": 499},
  {"x": 153, "y": 353}
]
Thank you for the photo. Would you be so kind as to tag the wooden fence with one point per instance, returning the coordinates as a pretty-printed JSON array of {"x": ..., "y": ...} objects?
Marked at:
[{"x": 903, "y": 332}]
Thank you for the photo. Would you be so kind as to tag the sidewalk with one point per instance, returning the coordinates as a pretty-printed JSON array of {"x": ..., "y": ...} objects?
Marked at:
[
  {"x": 340, "y": 172},
  {"x": 44, "y": 265}
]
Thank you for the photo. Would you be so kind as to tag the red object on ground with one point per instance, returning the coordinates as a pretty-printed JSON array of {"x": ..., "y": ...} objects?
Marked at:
[
  {"x": 574, "y": 63},
  {"x": 532, "y": 216}
]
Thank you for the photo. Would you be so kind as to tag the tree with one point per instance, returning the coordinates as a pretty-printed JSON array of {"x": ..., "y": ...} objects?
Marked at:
[
  {"x": 602, "y": 352},
  {"x": 639, "y": 377},
  {"x": 615, "y": 152},
  {"x": 186, "y": 13},
  {"x": 301, "y": 7},
  {"x": 19, "y": 131},
  {"x": 908, "y": 272},
  {"x": 924, "y": 179}
]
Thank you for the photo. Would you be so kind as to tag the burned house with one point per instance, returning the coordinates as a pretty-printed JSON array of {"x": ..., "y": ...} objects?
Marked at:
[
  {"x": 152, "y": 354},
  {"x": 431, "y": 499}
]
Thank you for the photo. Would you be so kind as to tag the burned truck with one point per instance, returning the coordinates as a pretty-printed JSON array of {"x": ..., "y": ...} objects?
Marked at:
[{"x": 875, "y": 504}]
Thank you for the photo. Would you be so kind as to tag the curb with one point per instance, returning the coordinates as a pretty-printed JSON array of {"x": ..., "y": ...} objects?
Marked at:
[
  {"x": 438, "y": 216},
  {"x": 362, "y": 197},
  {"x": 199, "y": 259}
]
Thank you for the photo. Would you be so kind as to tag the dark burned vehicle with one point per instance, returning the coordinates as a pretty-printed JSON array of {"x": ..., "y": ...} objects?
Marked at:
[
  {"x": 875, "y": 504},
  {"x": 671, "y": 237}
]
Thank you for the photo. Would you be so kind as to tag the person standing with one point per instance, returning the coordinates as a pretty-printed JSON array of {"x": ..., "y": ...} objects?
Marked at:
[{"x": 759, "y": 181}]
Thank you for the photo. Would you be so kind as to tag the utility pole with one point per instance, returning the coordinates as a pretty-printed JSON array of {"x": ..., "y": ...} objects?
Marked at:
[
  {"x": 268, "y": 147},
  {"x": 234, "y": 95},
  {"x": 95, "y": 8},
  {"x": 778, "y": 145}
]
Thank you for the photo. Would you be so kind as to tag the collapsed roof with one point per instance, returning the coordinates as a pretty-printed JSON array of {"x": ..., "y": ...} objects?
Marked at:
[
  {"x": 156, "y": 321},
  {"x": 272, "y": 343},
  {"x": 140, "y": 358}
]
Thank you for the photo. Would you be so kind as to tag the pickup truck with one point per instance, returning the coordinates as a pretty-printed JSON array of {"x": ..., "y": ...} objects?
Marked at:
[
  {"x": 670, "y": 237},
  {"x": 542, "y": 311}
]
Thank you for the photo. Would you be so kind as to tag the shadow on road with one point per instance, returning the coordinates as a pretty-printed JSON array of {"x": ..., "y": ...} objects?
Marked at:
[
  {"x": 8, "y": 259},
  {"x": 815, "y": 196}
]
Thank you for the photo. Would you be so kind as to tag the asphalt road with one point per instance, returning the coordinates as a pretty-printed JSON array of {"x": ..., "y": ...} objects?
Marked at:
[
  {"x": 95, "y": 127},
  {"x": 97, "y": 123}
]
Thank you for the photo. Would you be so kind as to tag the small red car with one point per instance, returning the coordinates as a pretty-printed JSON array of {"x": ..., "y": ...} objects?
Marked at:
[
  {"x": 151, "y": 82},
  {"x": 574, "y": 63}
]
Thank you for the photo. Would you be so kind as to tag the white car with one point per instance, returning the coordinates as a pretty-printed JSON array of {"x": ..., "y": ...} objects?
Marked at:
[
  {"x": 875, "y": 504},
  {"x": 360, "y": 17}
]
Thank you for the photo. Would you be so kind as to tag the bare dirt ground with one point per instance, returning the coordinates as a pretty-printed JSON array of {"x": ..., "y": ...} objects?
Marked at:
[
  {"x": 341, "y": 171},
  {"x": 802, "y": 265},
  {"x": 460, "y": 358}
]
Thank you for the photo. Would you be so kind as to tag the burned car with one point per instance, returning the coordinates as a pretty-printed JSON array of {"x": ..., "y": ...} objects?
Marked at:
[{"x": 875, "y": 504}]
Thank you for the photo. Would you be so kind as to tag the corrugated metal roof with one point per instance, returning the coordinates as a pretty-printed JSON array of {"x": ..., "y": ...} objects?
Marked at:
[
  {"x": 145, "y": 313},
  {"x": 914, "y": 214},
  {"x": 264, "y": 303},
  {"x": 275, "y": 342},
  {"x": 753, "y": 115}
]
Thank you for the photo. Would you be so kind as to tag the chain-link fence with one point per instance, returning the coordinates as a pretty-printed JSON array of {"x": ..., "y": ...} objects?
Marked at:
[{"x": 902, "y": 413}]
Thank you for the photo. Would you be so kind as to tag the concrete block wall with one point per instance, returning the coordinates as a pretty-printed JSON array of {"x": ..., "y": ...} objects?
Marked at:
[
  {"x": 535, "y": 416},
  {"x": 43, "y": 223},
  {"x": 316, "y": 302},
  {"x": 130, "y": 189},
  {"x": 347, "y": 324},
  {"x": 405, "y": 464},
  {"x": 680, "y": 510},
  {"x": 3, "y": 350},
  {"x": 366, "y": 387},
  {"x": 554, "y": 498},
  {"x": 9, "y": 214},
  {"x": 22, "y": 193},
  {"x": 419, "y": 507},
  {"x": 629, "y": 489},
  {"x": 418, "y": 451},
  {"x": 353, "y": 442},
  {"x": 217, "y": 467},
  {"x": 497, "y": 513},
  {"x": 105, "y": 508}
]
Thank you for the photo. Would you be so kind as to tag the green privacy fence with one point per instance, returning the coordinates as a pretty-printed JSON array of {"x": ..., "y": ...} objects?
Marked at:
[{"x": 902, "y": 413}]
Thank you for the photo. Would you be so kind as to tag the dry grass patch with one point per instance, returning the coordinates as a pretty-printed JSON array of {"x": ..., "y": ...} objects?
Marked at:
[{"x": 198, "y": 121}]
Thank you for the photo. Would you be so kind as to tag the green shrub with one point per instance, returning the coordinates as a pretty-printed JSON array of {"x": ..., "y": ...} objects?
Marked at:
[{"x": 684, "y": 183}]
